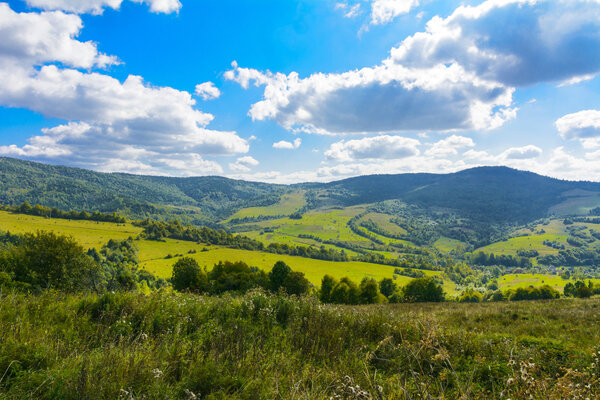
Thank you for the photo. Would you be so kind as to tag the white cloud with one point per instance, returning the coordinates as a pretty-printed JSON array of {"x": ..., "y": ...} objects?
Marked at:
[
  {"x": 377, "y": 147},
  {"x": 243, "y": 164},
  {"x": 514, "y": 42},
  {"x": 521, "y": 153},
  {"x": 582, "y": 125},
  {"x": 384, "y": 11},
  {"x": 449, "y": 146},
  {"x": 559, "y": 163},
  {"x": 459, "y": 74},
  {"x": 112, "y": 124},
  {"x": 385, "y": 98},
  {"x": 288, "y": 145},
  {"x": 33, "y": 39},
  {"x": 349, "y": 11},
  {"x": 97, "y": 6},
  {"x": 208, "y": 91}
]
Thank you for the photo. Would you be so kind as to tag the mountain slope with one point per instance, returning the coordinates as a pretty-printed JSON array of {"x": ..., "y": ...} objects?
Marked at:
[
  {"x": 484, "y": 193},
  {"x": 134, "y": 195},
  {"x": 495, "y": 194}
]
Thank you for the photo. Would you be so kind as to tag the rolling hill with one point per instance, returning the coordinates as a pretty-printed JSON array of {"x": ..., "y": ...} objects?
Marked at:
[{"x": 494, "y": 194}]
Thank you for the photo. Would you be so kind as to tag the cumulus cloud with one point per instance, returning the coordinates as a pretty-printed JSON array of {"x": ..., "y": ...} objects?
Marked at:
[
  {"x": 521, "y": 153},
  {"x": 459, "y": 74},
  {"x": 514, "y": 42},
  {"x": 559, "y": 163},
  {"x": 582, "y": 125},
  {"x": 449, "y": 146},
  {"x": 113, "y": 125},
  {"x": 208, "y": 91},
  {"x": 384, "y": 11},
  {"x": 243, "y": 164},
  {"x": 36, "y": 38},
  {"x": 377, "y": 147},
  {"x": 97, "y": 7},
  {"x": 287, "y": 145},
  {"x": 385, "y": 98}
]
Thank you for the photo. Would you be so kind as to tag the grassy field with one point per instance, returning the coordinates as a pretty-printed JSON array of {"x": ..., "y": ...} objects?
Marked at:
[
  {"x": 288, "y": 204},
  {"x": 259, "y": 346},
  {"x": 326, "y": 225},
  {"x": 153, "y": 254},
  {"x": 446, "y": 245},
  {"x": 313, "y": 269},
  {"x": 159, "y": 257},
  {"x": 89, "y": 234},
  {"x": 384, "y": 222},
  {"x": 576, "y": 202},
  {"x": 513, "y": 281},
  {"x": 533, "y": 239}
]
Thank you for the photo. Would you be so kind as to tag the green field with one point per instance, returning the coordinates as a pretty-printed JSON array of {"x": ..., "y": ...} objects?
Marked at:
[
  {"x": 533, "y": 239},
  {"x": 384, "y": 222},
  {"x": 313, "y": 269},
  {"x": 159, "y": 256},
  {"x": 446, "y": 245},
  {"x": 153, "y": 253},
  {"x": 169, "y": 345},
  {"x": 576, "y": 202},
  {"x": 288, "y": 204},
  {"x": 326, "y": 225},
  {"x": 89, "y": 234},
  {"x": 514, "y": 281}
]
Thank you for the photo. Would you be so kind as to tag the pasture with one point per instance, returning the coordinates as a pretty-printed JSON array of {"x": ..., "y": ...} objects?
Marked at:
[
  {"x": 158, "y": 257},
  {"x": 288, "y": 204}
]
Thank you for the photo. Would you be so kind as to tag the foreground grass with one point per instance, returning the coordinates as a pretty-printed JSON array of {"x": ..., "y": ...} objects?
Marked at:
[{"x": 257, "y": 346}]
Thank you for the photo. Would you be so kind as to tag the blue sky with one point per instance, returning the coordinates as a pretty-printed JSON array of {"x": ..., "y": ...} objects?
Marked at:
[{"x": 289, "y": 91}]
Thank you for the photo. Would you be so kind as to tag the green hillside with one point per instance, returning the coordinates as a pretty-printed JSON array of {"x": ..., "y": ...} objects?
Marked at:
[{"x": 490, "y": 194}]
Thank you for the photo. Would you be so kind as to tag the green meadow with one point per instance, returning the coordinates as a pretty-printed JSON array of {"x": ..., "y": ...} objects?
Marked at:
[
  {"x": 326, "y": 225},
  {"x": 513, "y": 281},
  {"x": 288, "y": 204},
  {"x": 158, "y": 257}
]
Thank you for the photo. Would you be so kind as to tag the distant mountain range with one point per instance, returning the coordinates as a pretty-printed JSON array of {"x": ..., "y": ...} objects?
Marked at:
[{"x": 495, "y": 194}]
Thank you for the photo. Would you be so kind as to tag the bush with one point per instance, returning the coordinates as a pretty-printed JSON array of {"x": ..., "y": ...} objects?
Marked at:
[
  {"x": 278, "y": 274},
  {"x": 327, "y": 284},
  {"x": 296, "y": 284},
  {"x": 187, "y": 276},
  {"x": 470, "y": 296},
  {"x": 534, "y": 293},
  {"x": 423, "y": 290},
  {"x": 46, "y": 260}
]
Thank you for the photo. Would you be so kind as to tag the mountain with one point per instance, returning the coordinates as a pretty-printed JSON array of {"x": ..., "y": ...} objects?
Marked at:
[
  {"x": 197, "y": 199},
  {"x": 484, "y": 193},
  {"x": 496, "y": 194}
]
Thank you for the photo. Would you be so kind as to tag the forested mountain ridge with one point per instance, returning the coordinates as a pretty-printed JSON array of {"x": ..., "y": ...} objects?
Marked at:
[
  {"x": 133, "y": 195},
  {"x": 495, "y": 194},
  {"x": 498, "y": 194}
]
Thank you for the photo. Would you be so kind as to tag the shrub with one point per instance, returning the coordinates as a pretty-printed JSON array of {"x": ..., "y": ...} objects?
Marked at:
[
  {"x": 296, "y": 284},
  {"x": 278, "y": 274},
  {"x": 423, "y": 290},
  {"x": 188, "y": 276},
  {"x": 46, "y": 260},
  {"x": 470, "y": 296}
]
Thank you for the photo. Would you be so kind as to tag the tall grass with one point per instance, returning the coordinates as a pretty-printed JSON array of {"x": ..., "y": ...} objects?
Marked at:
[{"x": 168, "y": 345}]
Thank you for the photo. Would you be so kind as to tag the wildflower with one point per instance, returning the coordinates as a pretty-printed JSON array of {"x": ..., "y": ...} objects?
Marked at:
[{"x": 157, "y": 373}]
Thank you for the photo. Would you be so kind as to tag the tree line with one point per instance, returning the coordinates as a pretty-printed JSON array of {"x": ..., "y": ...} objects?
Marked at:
[{"x": 53, "y": 212}]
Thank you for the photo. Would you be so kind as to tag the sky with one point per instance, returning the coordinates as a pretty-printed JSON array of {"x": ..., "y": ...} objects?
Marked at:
[{"x": 290, "y": 91}]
